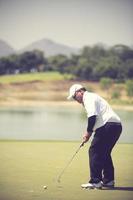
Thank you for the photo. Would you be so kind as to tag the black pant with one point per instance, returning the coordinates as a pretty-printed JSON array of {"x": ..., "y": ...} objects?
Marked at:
[{"x": 101, "y": 165}]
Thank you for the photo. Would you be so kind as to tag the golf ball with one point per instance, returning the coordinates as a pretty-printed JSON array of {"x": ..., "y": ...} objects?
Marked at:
[{"x": 45, "y": 187}]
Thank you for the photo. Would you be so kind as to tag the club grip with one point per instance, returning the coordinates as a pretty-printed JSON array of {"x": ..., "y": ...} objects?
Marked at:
[{"x": 82, "y": 144}]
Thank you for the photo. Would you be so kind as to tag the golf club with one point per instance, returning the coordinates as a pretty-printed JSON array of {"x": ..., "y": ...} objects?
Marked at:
[{"x": 62, "y": 172}]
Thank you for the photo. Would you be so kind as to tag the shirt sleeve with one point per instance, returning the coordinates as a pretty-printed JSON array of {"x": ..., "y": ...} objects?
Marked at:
[
  {"x": 91, "y": 123},
  {"x": 90, "y": 106}
]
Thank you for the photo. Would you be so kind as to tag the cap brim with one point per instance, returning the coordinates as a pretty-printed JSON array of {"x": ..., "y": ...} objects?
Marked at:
[{"x": 69, "y": 97}]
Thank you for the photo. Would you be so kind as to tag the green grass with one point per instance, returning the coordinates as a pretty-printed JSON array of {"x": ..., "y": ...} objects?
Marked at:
[
  {"x": 47, "y": 76},
  {"x": 27, "y": 166}
]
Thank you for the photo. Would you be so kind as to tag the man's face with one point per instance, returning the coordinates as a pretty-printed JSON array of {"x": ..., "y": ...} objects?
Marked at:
[{"x": 78, "y": 96}]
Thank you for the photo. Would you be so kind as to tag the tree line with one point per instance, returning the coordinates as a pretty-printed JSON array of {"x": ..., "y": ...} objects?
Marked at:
[{"x": 92, "y": 63}]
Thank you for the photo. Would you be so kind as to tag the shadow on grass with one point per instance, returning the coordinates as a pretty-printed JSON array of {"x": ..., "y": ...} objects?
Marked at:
[{"x": 119, "y": 188}]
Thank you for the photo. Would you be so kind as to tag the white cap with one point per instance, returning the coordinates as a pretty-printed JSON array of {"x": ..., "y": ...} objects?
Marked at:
[{"x": 73, "y": 89}]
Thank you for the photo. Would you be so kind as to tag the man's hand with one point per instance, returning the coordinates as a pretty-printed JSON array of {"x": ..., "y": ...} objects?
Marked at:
[{"x": 86, "y": 137}]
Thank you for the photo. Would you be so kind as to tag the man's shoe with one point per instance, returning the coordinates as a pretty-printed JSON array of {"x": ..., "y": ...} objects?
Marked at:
[
  {"x": 109, "y": 184},
  {"x": 92, "y": 185}
]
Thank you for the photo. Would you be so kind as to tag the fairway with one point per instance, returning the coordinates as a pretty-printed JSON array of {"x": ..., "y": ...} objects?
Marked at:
[{"x": 27, "y": 166}]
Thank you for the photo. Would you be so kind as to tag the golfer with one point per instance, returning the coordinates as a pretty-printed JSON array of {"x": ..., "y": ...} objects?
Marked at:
[{"x": 106, "y": 125}]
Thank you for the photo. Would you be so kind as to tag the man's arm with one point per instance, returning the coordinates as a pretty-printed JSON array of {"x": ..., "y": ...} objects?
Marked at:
[{"x": 91, "y": 123}]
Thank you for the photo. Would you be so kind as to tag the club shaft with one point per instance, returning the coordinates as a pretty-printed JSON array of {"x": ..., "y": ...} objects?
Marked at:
[{"x": 62, "y": 172}]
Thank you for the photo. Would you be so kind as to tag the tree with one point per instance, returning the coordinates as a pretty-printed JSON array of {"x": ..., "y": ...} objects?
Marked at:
[
  {"x": 83, "y": 69},
  {"x": 108, "y": 67},
  {"x": 123, "y": 52},
  {"x": 92, "y": 63},
  {"x": 31, "y": 60},
  {"x": 86, "y": 52},
  {"x": 129, "y": 68},
  {"x": 8, "y": 64},
  {"x": 94, "y": 53},
  {"x": 59, "y": 63},
  {"x": 2, "y": 67}
]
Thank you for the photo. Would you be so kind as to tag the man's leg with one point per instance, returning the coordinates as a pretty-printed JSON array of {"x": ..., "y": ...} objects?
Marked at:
[
  {"x": 100, "y": 151},
  {"x": 95, "y": 165},
  {"x": 97, "y": 156},
  {"x": 108, "y": 169},
  {"x": 113, "y": 132}
]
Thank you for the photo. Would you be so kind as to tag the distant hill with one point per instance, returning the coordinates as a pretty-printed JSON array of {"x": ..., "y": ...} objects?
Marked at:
[
  {"x": 50, "y": 48},
  {"x": 5, "y": 49}
]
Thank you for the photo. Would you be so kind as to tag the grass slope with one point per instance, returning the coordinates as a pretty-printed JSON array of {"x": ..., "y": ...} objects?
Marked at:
[
  {"x": 47, "y": 76},
  {"x": 50, "y": 86},
  {"x": 27, "y": 166}
]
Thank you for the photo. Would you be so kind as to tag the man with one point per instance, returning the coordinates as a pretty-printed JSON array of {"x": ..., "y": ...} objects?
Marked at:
[{"x": 107, "y": 127}]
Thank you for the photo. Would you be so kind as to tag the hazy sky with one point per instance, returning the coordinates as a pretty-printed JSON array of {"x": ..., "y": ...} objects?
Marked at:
[{"x": 71, "y": 22}]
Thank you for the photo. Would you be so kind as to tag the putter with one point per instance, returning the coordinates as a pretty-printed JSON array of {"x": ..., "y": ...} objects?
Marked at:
[{"x": 66, "y": 166}]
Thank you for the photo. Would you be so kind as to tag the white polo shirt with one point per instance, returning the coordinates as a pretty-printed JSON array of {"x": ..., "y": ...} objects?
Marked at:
[{"x": 96, "y": 105}]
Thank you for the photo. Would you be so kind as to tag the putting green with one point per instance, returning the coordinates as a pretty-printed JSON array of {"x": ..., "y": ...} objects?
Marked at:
[{"x": 25, "y": 167}]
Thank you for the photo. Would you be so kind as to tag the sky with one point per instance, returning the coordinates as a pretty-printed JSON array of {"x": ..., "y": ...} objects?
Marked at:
[{"x": 75, "y": 23}]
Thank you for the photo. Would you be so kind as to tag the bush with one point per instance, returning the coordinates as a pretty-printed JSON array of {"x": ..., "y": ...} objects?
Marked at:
[
  {"x": 129, "y": 88},
  {"x": 116, "y": 93},
  {"x": 106, "y": 83}
]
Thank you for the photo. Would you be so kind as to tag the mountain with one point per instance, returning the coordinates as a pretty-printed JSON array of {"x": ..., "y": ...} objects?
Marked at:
[
  {"x": 50, "y": 48},
  {"x": 5, "y": 49}
]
